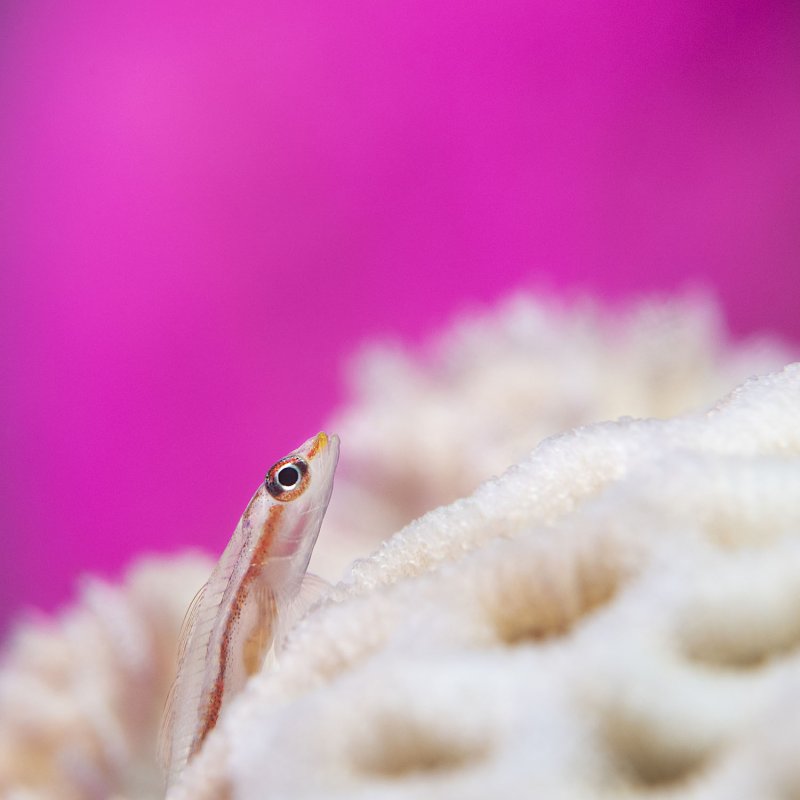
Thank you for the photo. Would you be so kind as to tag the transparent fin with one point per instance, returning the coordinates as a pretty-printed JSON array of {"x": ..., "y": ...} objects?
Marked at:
[
  {"x": 293, "y": 606},
  {"x": 166, "y": 730},
  {"x": 184, "y": 702}
]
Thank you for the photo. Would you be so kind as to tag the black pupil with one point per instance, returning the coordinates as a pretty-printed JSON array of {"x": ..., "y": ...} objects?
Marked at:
[{"x": 288, "y": 476}]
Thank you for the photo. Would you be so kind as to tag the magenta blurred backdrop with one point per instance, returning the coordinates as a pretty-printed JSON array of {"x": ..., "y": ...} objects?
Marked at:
[{"x": 206, "y": 206}]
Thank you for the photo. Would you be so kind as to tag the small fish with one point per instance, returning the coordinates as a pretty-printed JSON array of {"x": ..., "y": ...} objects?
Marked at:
[{"x": 233, "y": 621}]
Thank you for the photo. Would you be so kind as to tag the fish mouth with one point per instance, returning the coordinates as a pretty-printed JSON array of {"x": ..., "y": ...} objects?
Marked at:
[{"x": 322, "y": 442}]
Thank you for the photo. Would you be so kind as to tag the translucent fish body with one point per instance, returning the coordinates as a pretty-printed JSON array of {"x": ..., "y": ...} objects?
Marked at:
[{"x": 232, "y": 622}]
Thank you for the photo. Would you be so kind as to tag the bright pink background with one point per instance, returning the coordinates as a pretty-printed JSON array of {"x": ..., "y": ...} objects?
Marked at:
[{"x": 206, "y": 207}]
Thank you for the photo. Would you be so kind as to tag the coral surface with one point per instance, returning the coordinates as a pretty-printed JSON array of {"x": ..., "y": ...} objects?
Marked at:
[
  {"x": 81, "y": 696},
  {"x": 423, "y": 430},
  {"x": 614, "y": 616},
  {"x": 619, "y": 614}
]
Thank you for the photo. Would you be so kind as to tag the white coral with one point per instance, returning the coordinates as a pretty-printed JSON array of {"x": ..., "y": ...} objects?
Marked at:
[
  {"x": 422, "y": 431},
  {"x": 81, "y": 697},
  {"x": 614, "y": 615}
]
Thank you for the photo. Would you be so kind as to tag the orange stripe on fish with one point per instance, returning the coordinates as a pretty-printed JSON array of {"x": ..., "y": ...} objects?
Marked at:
[
  {"x": 232, "y": 622},
  {"x": 259, "y": 558},
  {"x": 320, "y": 443}
]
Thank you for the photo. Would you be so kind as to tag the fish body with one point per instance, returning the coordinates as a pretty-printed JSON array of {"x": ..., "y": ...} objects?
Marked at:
[{"x": 233, "y": 621}]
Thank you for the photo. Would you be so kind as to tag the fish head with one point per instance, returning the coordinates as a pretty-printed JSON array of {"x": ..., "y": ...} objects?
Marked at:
[{"x": 289, "y": 506}]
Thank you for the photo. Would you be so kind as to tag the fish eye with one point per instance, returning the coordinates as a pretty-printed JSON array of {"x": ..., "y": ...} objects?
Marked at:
[{"x": 287, "y": 479}]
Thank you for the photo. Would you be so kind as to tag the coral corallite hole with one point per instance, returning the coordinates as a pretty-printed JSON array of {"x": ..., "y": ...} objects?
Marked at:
[
  {"x": 399, "y": 747},
  {"x": 546, "y": 599},
  {"x": 651, "y": 759},
  {"x": 747, "y": 626}
]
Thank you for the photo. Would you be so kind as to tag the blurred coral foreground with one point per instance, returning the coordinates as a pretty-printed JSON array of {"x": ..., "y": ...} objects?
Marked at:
[{"x": 616, "y": 615}]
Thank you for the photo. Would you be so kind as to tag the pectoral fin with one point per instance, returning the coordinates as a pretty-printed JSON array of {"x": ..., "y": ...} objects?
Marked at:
[{"x": 295, "y": 605}]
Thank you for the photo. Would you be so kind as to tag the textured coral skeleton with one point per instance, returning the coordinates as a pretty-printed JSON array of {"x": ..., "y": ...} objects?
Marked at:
[
  {"x": 424, "y": 430},
  {"x": 614, "y": 616}
]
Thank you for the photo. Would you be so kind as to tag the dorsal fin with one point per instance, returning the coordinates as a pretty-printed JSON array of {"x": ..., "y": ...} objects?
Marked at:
[{"x": 165, "y": 734}]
